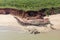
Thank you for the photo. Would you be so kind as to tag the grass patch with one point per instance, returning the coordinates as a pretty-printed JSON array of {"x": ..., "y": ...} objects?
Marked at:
[{"x": 29, "y": 4}]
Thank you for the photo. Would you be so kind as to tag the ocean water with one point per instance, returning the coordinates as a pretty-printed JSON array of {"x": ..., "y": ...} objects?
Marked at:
[{"x": 20, "y": 35}]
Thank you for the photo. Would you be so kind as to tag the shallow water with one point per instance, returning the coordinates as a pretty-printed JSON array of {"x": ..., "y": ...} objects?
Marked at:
[{"x": 14, "y": 35}]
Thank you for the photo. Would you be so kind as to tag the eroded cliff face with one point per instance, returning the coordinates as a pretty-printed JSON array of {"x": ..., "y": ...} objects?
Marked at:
[
  {"x": 21, "y": 12},
  {"x": 28, "y": 15},
  {"x": 10, "y": 11},
  {"x": 32, "y": 21}
]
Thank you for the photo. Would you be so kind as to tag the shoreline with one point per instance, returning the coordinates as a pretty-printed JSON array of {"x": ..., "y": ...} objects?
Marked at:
[{"x": 8, "y": 21}]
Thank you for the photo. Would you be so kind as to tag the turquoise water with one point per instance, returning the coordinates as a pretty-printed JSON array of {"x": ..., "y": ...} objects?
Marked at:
[{"x": 14, "y": 35}]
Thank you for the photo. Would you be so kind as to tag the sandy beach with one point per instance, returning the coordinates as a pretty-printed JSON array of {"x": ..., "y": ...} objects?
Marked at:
[
  {"x": 55, "y": 20},
  {"x": 8, "y": 21},
  {"x": 10, "y": 29}
]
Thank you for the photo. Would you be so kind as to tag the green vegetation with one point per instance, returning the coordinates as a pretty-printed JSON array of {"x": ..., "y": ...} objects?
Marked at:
[{"x": 29, "y": 4}]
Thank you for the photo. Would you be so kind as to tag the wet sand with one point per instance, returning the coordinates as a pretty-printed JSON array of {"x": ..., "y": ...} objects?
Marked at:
[{"x": 13, "y": 35}]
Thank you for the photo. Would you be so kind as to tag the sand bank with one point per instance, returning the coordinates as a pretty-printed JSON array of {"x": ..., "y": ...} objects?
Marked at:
[{"x": 11, "y": 22}]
